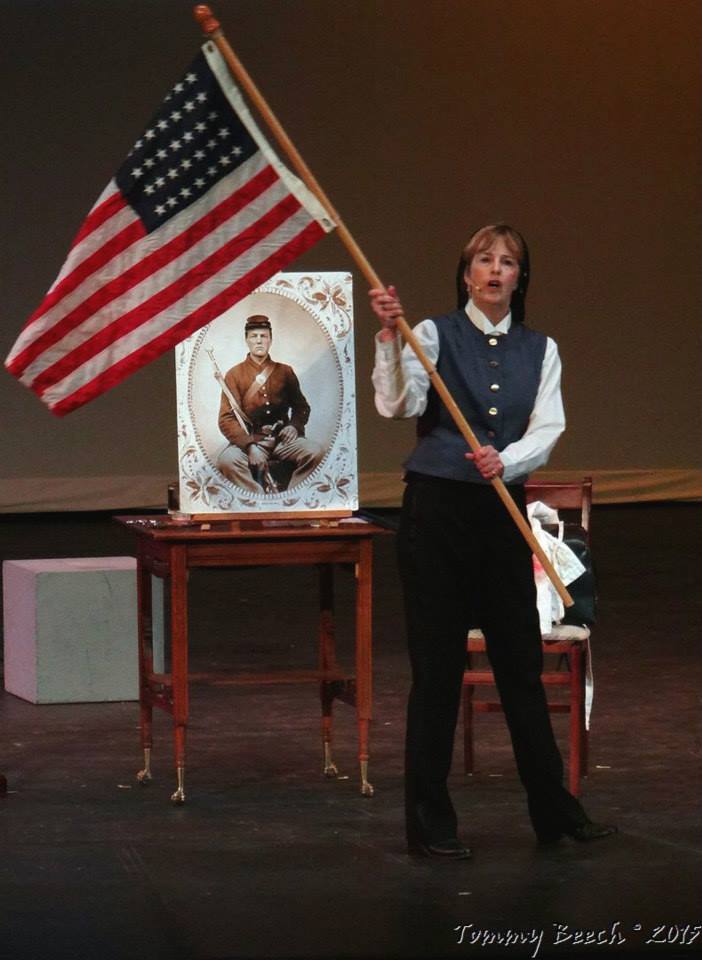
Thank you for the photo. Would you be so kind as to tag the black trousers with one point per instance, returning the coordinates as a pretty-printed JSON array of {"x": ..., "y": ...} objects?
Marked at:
[{"x": 464, "y": 563}]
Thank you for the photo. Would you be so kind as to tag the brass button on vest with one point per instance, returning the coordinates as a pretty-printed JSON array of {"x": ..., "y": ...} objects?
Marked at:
[
  {"x": 492, "y": 341},
  {"x": 493, "y": 411},
  {"x": 494, "y": 387},
  {"x": 493, "y": 363}
]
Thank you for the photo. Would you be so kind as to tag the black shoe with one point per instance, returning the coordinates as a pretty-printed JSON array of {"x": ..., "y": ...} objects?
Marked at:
[
  {"x": 582, "y": 832},
  {"x": 590, "y": 830},
  {"x": 442, "y": 849}
]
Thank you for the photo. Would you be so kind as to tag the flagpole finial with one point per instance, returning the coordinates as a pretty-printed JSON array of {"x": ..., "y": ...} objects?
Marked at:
[{"x": 207, "y": 20}]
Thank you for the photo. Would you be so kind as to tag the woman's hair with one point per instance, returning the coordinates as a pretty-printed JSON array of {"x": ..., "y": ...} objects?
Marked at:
[{"x": 483, "y": 239}]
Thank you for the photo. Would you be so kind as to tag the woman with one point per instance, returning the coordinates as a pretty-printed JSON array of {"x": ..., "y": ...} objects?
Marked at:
[{"x": 462, "y": 560}]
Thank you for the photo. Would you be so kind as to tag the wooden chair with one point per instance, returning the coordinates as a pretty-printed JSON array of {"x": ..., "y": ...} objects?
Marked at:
[{"x": 570, "y": 645}]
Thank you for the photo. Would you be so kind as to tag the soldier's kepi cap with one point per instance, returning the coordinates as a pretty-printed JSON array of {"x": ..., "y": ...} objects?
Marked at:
[{"x": 257, "y": 322}]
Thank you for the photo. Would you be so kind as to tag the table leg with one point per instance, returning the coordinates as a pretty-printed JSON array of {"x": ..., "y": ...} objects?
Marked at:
[
  {"x": 327, "y": 661},
  {"x": 364, "y": 579},
  {"x": 145, "y": 621},
  {"x": 178, "y": 596}
]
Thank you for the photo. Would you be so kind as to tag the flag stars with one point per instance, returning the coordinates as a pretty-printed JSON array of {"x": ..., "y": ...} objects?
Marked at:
[
  {"x": 181, "y": 165},
  {"x": 192, "y": 144}
]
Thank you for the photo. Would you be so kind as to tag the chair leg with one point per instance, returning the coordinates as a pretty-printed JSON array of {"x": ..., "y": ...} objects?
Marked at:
[
  {"x": 577, "y": 718},
  {"x": 585, "y": 760},
  {"x": 468, "y": 750}
]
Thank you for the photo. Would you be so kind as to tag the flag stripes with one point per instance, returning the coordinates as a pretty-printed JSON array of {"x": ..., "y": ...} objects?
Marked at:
[
  {"x": 171, "y": 335},
  {"x": 101, "y": 212},
  {"x": 91, "y": 296},
  {"x": 165, "y": 296},
  {"x": 150, "y": 264}
]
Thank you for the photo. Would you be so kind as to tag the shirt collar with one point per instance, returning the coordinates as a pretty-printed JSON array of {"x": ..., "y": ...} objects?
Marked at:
[
  {"x": 258, "y": 366},
  {"x": 478, "y": 318}
]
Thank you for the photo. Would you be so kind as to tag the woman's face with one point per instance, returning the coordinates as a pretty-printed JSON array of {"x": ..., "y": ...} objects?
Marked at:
[{"x": 492, "y": 278}]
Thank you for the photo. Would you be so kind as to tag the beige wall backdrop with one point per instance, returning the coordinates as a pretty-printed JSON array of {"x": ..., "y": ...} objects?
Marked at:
[{"x": 578, "y": 121}]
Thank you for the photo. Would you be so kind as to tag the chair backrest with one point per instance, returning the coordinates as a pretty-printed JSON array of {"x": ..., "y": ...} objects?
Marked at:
[{"x": 564, "y": 496}]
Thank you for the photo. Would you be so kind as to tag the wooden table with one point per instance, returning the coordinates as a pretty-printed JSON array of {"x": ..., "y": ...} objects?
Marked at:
[{"x": 168, "y": 547}]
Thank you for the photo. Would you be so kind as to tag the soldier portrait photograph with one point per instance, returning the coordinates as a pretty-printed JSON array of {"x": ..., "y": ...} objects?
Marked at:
[
  {"x": 267, "y": 400},
  {"x": 263, "y": 413}
]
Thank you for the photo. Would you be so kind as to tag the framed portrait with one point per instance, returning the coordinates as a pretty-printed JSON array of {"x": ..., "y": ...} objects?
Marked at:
[{"x": 266, "y": 403}]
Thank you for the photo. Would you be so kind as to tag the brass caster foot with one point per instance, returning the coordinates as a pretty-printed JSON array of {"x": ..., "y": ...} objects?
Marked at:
[
  {"x": 145, "y": 775},
  {"x": 331, "y": 770},
  {"x": 366, "y": 788},
  {"x": 179, "y": 796}
]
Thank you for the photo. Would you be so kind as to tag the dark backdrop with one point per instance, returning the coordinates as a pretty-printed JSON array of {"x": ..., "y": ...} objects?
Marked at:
[{"x": 576, "y": 120}]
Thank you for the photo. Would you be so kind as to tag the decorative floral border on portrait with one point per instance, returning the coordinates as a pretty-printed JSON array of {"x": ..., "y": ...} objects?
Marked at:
[{"x": 333, "y": 485}]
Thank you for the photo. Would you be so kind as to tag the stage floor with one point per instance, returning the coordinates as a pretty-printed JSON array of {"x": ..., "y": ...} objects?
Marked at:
[{"x": 269, "y": 859}]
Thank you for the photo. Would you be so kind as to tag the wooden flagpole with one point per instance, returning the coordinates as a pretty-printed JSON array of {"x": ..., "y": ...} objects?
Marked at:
[{"x": 212, "y": 30}]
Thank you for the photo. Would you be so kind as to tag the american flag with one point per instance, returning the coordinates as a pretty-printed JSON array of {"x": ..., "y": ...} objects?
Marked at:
[{"x": 201, "y": 213}]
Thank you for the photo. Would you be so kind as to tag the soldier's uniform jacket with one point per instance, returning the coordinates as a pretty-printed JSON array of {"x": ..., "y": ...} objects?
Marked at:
[{"x": 278, "y": 398}]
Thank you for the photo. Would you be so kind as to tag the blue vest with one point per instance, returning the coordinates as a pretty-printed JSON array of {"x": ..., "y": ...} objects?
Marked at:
[{"x": 494, "y": 380}]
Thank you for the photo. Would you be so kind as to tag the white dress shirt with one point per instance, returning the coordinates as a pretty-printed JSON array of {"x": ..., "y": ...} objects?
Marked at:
[{"x": 402, "y": 385}]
